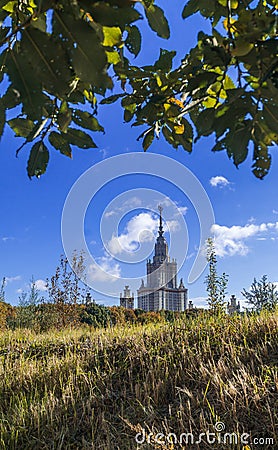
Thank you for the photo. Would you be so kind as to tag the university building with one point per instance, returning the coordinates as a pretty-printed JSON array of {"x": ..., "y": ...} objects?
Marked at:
[
  {"x": 162, "y": 290},
  {"x": 127, "y": 299}
]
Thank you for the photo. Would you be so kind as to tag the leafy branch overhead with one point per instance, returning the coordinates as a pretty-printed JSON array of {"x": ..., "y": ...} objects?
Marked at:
[{"x": 60, "y": 60}]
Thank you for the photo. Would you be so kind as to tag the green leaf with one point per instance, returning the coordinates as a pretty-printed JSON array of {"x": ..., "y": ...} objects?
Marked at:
[
  {"x": 148, "y": 3},
  {"x": 205, "y": 122},
  {"x": 158, "y": 21},
  {"x": 60, "y": 143},
  {"x": 190, "y": 8},
  {"x": 3, "y": 33},
  {"x": 169, "y": 136},
  {"x": 48, "y": 61},
  {"x": 133, "y": 40},
  {"x": 111, "y": 99},
  {"x": 242, "y": 47},
  {"x": 64, "y": 117},
  {"x": 85, "y": 48},
  {"x": 237, "y": 142},
  {"x": 233, "y": 3},
  {"x": 2, "y": 118},
  {"x": 21, "y": 127},
  {"x": 182, "y": 134},
  {"x": 25, "y": 82},
  {"x": 110, "y": 16},
  {"x": 39, "y": 22},
  {"x": 186, "y": 138},
  {"x": 11, "y": 98},
  {"x": 148, "y": 139},
  {"x": 112, "y": 36},
  {"x": 202, "y": 80},
  {"x": 271, "y": 116},
  {"x": 79, "y": 138},
  {"x": 262, "y": 161},
  {"x": 86, "y": 120},
  {"x": 128, "y": 115},
  {"x": 10, "y": 6},
  {"x": 165, "y": 60},
  {"x": 113, "y": 57},
  {"x": 38, "y": 160},
  {"x": 228, "y": 83}
]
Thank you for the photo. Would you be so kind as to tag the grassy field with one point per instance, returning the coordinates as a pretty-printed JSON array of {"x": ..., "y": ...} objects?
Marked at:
[{"x": 96, "y": 389}]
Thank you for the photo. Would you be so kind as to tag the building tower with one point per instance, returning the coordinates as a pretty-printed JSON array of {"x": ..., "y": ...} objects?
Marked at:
[
  {"x": 127, "y": 299},
  {"x": 232, "y": 306},
  {"x": 161, "y": 290}
]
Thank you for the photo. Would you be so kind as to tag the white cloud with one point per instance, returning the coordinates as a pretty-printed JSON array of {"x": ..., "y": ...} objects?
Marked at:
[
  {"x": 219, "y": 180},
  {"x": 275, "y": 211},
  {"x": 105, "y": 269},
  {"x": 40, "y": 285},
  {"x": 190, "y": 255},
  {"x": 168, "y": 203},
  {"x": 104, "y": 152},
  {"x": 7, "y": 238},
  {"x": 230, "y": 241},
  {"x": 183, "y": 210},
  {"x": 140, "y": 228},
  {"x": 110, "y": 213},
  {"x": 133, "y": 202},
  {"x": 12, "y": 279},
  {"x": 172, "y": 226},
  {"x": 199, "y": 302}
]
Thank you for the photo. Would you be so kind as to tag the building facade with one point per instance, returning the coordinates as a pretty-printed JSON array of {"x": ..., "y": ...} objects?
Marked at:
[
  {"x": 232, "y": 306},
  {"x": 161, "y": 290},
  {"x": 127, "y": 299}
]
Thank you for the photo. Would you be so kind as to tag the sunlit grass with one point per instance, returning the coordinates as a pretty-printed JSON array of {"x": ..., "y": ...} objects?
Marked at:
[{"x": 84, "y": 388}]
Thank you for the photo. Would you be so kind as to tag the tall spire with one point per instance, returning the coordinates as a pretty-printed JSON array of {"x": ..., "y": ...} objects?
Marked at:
[{"x": 161, "y": 231}]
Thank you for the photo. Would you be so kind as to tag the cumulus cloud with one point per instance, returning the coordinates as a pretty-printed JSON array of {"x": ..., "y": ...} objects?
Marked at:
[
  {"x": 230, "y": 241},
  {"x": 105, "y": 269},
  {"x": 110, "y": 213},
  {"x": 133, "y": 202},
  {"x": 183, "y": 210},
  {"x": 219, "y": 181},
  {"x": 200, "y": 302},
  {"x": 140, "y": 228},
  {"x": 168, "y": 203},
  {"x": 40, "y": 285},
  {"x": 7, "y": 238},
  {"x": 12, "y": 279},
  {"x": 172, "y": 226}
]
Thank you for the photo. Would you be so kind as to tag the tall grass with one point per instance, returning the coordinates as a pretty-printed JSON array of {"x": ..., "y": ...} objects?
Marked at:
[{"x": 96, "y": 389}]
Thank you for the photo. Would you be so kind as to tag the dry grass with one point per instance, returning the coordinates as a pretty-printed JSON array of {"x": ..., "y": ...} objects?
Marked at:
[{"x": 95, "y": 389}]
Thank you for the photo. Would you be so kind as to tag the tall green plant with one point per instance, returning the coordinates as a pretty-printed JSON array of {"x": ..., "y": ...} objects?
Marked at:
[
  {"x": 65, "y": 289},
  {"x": 262, "y": 295},
  {"x": 215, "y": 285},
  {"x": 27, "y": 309},
  {"x": 2, "y": 290}
]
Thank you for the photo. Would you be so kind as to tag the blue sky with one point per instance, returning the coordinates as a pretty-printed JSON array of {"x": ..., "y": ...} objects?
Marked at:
[{"x": 245, "y": 208}]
